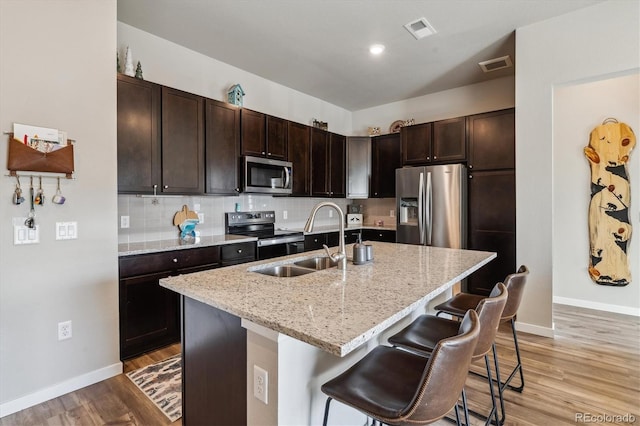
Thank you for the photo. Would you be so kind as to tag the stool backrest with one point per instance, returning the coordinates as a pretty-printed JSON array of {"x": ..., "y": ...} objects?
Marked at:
[
  {"x": 490, "y": 313},
  {"x": 515, "y": 286},
  {"x": 444, "y": 375}
]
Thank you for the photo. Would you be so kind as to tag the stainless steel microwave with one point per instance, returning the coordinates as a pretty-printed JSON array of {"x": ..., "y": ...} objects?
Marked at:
[{"x": 266, "y": 176}]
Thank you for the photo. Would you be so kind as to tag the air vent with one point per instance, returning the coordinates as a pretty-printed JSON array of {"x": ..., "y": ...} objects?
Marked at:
[
  {"x": 496, "y": 64},
  {"x": 420, "y": 28}
]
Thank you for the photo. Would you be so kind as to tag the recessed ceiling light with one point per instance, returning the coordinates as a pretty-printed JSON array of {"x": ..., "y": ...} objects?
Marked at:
[{"x": 376, "y": 49}]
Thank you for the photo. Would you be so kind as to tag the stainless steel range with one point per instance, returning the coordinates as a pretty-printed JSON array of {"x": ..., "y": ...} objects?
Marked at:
[{"x": 271, "y": 242}]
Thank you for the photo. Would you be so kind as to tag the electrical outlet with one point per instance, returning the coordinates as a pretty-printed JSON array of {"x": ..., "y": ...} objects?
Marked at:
[
  {"x": 260, "y": 384},
  {"x": 66, "y": 230},
  {"x": 392, "y": 213},
  {"x": 200, "y": 217},
  {"x": 285, "y": 214},
  {"x": 64, "y": 330},
  {"x": 331, "y": 213},
  {"x": 124, "y": 222}
]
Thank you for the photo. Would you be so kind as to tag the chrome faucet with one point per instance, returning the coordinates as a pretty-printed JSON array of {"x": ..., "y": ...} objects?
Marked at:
[{"x": 341, "y": 255}]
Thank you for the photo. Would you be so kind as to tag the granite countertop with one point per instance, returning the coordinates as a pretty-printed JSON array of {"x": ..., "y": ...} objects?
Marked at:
[
  {"x": 178, "y": 244},
  {"x": 334, "y": 310}
]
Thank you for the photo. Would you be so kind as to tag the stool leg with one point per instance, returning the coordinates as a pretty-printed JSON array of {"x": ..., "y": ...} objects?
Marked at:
[
  {"x": 518, "y": 365},
  {"x": 500, "y": 387},
  {"x": 465, "y": 406},
  {"x": 455, "y": 408},
  {"x": 326, "y": 412},
  {"x": 494, "y": 410}
]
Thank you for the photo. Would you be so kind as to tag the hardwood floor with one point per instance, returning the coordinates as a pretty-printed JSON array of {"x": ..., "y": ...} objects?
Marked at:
[{"x": 591, "y": 368}]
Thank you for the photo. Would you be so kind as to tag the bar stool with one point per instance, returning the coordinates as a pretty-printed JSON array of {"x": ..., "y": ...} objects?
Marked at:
[
  {"x": 396, "y": 387},
  {"x": 461, "y": 302},
  {"x": 422, "y": 335}
]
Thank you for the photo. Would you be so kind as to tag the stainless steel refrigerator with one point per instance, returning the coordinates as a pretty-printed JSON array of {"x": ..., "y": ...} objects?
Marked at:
[{"x": 431, "y": 205}]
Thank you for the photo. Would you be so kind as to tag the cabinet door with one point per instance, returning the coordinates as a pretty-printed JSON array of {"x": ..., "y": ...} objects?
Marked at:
[
  {"x": 449, "y": 140},
  {"x": 182, "y": 142},
  {"x": 416, "y": 144},
  {"x": 299, "y": 139},
  {"x": 386, "y": 158},
  {"x": 492, "y": 225},
  {"x": 148, "y": 315},
  {"x": 358, "y": 166},
  {"x": 138, "y": 135},
  {"x": 337, "y": 149},
  {"x": 252, "y": 134},
  {"x": 492, "y": 140},
  {"x": 222, "y": 143},
  {"x": 314, "y": 241},
  {"x": 319, "y": 163},
  {"x": 276, "y": 138}
]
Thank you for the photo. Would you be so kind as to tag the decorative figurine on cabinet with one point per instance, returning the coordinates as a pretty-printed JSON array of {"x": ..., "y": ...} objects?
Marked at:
[{"x": 235, "y": 95}]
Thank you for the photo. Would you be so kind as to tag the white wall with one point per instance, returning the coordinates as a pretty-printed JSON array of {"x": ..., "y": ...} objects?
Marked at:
[
  {"x": 577, "y": 109},
  {"x": 473, "y": 99},
  {"x": 57, "y": 69},
  {"x": 175, "y": 66},
  {"x": 588, "y": 44}
]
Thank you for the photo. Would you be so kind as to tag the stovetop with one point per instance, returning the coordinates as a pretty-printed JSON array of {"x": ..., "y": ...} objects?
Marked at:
[{"x": 255, "y": 224}]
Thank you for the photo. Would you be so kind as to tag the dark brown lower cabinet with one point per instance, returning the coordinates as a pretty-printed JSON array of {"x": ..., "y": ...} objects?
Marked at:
[
  {"x": 214, "y": 366},
  {"x": 384, "y": 235},
  {"x": 492, "y": 226}
]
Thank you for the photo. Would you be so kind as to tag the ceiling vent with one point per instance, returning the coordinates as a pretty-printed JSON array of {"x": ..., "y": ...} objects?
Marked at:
[
  {"x": 420, "y": 28},
  {"x": 496, "y": 64}
]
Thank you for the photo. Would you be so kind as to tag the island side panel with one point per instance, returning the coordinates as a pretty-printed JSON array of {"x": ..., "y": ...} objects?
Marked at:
[{"x": 214, "y": 377}]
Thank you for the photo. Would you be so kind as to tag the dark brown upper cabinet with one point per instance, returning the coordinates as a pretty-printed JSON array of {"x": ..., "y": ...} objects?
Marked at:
[
  {"x": 327, "y": 164},
  {"x": 263, "y": 135},
  {"x": 449, "y": 140},
  {"x": 139, "y": 136},
  {"x": 491, "y": 139},
  {"x": 386, "y": 157},
  {"x": 337, "y": 165},
  {"x": 319, "y": 163},
  {"x": 299, "y": 142},
  {"x": 442, "y": 141},
  {"x": 222, "y": 148},
  {"x": 276, "y": 146},
  {"x": 182, "y": 142},
  {"x": 416, "y": 144}
]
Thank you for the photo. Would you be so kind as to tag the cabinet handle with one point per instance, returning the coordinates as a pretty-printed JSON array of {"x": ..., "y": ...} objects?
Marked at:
[
  {"x": 428, "y": 158},
  {"x": 470, "y": 166},
  {"x": 268, "y": 153},
  {"x": 315, "y": 240},
  {"x": 237, "y": 189},
  {"x": 239, "y": 250},
  {"x": 435, "y": 158},
  {"x": 470, "y": 176},
  {"x": 175, "y": 260},
  {"x": 263, "y": 152},
  {"x": 166, "y": 187}
]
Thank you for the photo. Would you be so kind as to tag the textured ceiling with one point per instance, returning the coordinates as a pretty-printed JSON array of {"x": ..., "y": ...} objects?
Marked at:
[{"x": 320, "y": 47}]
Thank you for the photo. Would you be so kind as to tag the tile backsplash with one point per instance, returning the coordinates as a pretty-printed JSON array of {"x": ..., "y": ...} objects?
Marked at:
[{"x": 151, "y": 219}]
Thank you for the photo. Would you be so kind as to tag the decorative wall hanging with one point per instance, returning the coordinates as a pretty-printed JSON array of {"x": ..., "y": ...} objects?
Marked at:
[
  {"x": 128, "y": 64},
  {"x": 186, "y": 220},
  {"x": 320, "y": 124},
  {"x": 610, "y": 145},
  {"x": 235, "y": 94}
]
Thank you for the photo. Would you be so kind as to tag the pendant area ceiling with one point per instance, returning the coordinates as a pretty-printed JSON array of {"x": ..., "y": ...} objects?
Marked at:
[{"x": 321, "y": 47}]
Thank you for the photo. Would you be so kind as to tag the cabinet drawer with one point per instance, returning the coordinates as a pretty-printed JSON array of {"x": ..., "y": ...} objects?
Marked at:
[
  {"x": 383, "y": 235},
  {"x": 314, "y": 241},
  {"x": 232, "y": 252},
  {"x": 170, "y": 261}
]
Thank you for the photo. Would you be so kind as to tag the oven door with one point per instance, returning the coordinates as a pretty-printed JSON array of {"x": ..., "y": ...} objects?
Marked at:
[
  {"x": 281, "y": 249},
  {"x": 267, "y": 176}
]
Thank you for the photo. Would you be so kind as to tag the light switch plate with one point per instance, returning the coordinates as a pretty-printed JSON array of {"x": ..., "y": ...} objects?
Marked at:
[
  {"x": 66, "y": 230},
  {"x": 25, "y": 235}
]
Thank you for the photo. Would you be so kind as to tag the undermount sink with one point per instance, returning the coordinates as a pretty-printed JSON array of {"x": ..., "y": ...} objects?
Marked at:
[
  {"x": 318, "y": 263},
  {"x": 284, "y": 271}
]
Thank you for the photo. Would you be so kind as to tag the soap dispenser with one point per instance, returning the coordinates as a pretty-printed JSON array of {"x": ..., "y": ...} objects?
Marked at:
[{"x": 359, "y": 253}]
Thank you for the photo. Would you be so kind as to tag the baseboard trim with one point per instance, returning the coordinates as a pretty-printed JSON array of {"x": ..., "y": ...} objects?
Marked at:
[
  {"x": 616, "y": 309},
  {"x": 535, "y": 329},
  {"x": 60, "y": 389}
]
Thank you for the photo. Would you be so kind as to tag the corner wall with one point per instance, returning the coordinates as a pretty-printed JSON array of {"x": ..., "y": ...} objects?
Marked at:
[
  {"x": 578, "y": 109},
  {"x": 584, "y": 45},
  {"x": 57, "y": 69}
]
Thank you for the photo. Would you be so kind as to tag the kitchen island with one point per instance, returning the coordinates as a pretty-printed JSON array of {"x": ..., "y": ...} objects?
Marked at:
[{"x": 302, "y": 330}]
